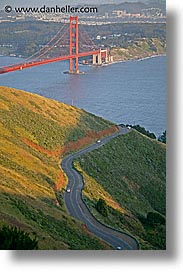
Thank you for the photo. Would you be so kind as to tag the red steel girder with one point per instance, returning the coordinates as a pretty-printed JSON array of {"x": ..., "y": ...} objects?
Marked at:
[{"x": 42, "y": 62}]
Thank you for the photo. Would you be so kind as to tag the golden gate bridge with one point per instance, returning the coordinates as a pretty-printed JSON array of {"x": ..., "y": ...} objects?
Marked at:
[{"x": 77, "y": 43}]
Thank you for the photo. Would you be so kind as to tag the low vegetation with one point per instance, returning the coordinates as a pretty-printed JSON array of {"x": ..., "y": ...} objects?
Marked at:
[
  {"x": 35, "y": 133},
  {"x": 129, "y": 174}
]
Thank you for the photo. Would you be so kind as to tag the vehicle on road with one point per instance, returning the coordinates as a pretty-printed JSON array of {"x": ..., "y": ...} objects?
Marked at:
[{"x": 77, "y": 208}]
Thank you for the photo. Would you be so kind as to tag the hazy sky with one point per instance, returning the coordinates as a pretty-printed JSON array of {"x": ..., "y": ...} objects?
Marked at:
[{"x": 38, "y": 3}]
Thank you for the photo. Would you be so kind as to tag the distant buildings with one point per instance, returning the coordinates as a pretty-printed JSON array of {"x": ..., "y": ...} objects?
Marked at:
[
  {"x": 115, "y": 16},
  {"x": 145, "y": 13},
  {"x": 119, "y": 13}
]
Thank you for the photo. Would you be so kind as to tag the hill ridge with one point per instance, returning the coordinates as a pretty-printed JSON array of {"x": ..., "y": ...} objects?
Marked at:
[{"x": 35, "y": 132}]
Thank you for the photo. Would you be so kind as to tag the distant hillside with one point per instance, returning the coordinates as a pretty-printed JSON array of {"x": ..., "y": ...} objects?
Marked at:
[
  {"x": 33, "y": 33},
  {"x": 35, "y": 133},
  {"x": 140, "y": 48},
  {"x": 129, "y": 174},
  {"x": 131, "y": 6}
]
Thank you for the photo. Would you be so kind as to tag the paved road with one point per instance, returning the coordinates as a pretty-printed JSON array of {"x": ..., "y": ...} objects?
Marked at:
[{"x": 78, "y": 209}]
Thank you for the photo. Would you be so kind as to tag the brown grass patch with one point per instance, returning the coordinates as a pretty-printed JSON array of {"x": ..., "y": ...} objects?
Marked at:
[
  {"x": 73, "y": 145},
  {"x": 61, "y": 181},
  {"x": 39, "y": 148}
]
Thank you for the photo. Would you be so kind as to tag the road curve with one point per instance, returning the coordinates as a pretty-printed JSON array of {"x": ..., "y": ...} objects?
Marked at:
[{"x": 78, "y": 209}]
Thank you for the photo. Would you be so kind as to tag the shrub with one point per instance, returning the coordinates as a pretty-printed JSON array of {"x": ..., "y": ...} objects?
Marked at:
[
  {"x": 155, "y": 218},
  {"x": 102, "y": 208},
  {"x": 162, "y": 138},
  {"x": 12, "y": 238},
  {"x": 142, "y": 130}
]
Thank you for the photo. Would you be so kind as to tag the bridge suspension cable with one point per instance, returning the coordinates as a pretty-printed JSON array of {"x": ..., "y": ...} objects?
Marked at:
[
  {"x": 52, "y": 46},
  {"x": 45, "y": 46},
  {"x": 83, "y": 34}
]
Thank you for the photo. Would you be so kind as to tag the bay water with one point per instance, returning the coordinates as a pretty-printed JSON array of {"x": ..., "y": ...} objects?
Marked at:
[{"x": 132, "y": 92}]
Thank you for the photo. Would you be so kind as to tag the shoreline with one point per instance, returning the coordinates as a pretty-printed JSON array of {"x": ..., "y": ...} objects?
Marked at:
[{"x": 134, "y": 59}]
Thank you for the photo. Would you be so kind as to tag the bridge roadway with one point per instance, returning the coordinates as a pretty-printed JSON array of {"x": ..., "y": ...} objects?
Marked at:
[
  {"x": 78, "y": 209},
  {"x": 21, "y": 66}
]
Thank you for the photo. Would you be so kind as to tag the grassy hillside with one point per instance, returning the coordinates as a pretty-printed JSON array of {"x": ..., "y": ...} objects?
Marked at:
[
  {"x": 139, "y": 49},
  {"x": 35, "y": 133},
  {"x": 129, "y": 173}
]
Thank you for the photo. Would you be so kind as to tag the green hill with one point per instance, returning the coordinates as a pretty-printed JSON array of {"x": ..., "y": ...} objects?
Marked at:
[
  {"x": 140, "y": 48},
  {"x": 35, "y": 133},
  {"x": 129, "y": 173}
]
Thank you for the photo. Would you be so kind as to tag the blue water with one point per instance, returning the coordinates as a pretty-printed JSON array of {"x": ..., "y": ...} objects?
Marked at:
[{"x": 131, "y": 92}]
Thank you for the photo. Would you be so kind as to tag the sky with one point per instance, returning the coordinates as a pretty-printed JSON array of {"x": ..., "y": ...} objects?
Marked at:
[{"x": 39, "y": 3}]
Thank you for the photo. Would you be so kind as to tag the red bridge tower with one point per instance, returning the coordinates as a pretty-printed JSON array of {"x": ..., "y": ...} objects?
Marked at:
[{"x": 74, "y": 48}]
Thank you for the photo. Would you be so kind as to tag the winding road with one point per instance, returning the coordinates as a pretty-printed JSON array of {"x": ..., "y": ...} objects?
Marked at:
[{"x": 78, "y": 209}]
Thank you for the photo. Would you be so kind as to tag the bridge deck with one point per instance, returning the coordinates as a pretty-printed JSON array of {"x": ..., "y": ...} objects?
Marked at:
[{"x": 21, "y": 66}]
